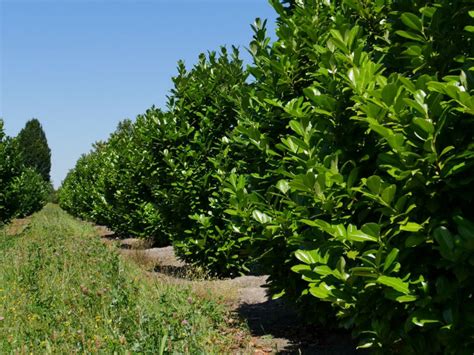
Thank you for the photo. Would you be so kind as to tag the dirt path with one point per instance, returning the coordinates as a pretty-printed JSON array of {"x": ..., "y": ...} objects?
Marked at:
[{"x": 274, "y": 326}]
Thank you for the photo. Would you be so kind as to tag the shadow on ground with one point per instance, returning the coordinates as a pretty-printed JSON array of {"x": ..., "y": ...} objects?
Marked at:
[
  {"x": 184, "y": 272},
  {"x": 275, "y": 320}
]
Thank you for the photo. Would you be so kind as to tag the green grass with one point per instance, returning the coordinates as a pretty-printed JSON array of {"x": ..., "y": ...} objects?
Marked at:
[{"x": 63, "y": 291}]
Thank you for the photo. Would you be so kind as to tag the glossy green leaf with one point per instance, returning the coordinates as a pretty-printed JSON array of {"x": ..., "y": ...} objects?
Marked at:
[
  {"x": 411, "y": 227},
  {"x": 424, "y": 124},
  {"x": 412, "y": 21},
  {"x": 297, "y": 127},
  {"x": 321, "y": 291},
  {"x": 261, "y": 217},
  {"x": 311, "y": 256},
  {"x": 406, "y": 298},
  {"x": 372, "y": 229},
  {"x": 391, "y": 257},
  {"x": 388, "y": 194},
  {"x": 355, "y": 235},
  {"x": 374, "y": 183},
  {"x": 323, "y": 270},
  {"x": 283, "y": 186},
  {"x": 395, "y": 283},
  {"x": 428, "y": 11},
  {"x": 410, "y": 35},
  {"x": 422, "y": 318},
  {"x": 397, "y": 142}
]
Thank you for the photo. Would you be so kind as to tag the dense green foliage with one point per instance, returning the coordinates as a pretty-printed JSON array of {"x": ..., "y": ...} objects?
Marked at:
[
  {"x": 152, "y": 177},
  {"x": 22, "y": 190},
  {"x": 109, "y": 185},
  {"x": 63, "y": 291},
  {"x": 343, "y": 169},
  {"x": 34, "y": 148},
  {"x": 203, "y": 107},
  {"x": 366, "y": 149}
]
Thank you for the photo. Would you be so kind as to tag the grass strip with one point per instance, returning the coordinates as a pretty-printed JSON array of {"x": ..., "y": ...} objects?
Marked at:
[{"x": 63, "y": 291}]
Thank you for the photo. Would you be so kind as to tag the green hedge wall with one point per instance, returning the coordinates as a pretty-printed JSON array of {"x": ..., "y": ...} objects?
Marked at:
[{"x": 340, "y": 163}]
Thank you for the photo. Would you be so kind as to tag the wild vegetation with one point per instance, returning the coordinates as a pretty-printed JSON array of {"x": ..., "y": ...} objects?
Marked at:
[
  {"x": 63, "y": 291},
  {"x": 22, "y": 188},
  {"x": 342, "y": 168}
]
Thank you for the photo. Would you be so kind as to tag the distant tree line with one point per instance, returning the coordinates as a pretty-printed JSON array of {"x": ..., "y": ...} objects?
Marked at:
[{"x": 25, "y": 165}]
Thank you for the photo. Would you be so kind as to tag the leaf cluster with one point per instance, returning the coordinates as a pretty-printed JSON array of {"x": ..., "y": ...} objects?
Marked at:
[{"x": 359, "y": 129}]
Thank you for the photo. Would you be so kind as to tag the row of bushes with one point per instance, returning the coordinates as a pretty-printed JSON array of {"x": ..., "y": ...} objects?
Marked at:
[
  {"x": 22, "y": 189},
  {"x": 342, "y": 168},
  {"x": 152, "y": 174}
]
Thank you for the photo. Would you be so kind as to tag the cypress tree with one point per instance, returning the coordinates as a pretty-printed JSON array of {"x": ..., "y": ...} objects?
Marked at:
[{"x": 34, "y": 148}]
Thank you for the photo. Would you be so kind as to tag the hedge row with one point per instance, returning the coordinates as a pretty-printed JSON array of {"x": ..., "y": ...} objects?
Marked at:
[
  {"x": 22, "y": 190},
  {"x": 152, "y": 174},
  {"x": 343, "y": 168}
]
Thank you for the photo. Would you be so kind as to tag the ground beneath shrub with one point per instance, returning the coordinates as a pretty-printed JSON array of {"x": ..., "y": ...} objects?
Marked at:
[{"x": 273, "y": 324}]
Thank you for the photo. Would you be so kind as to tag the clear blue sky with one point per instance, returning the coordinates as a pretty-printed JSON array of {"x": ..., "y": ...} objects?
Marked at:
[{"x": 81, "y": 66}]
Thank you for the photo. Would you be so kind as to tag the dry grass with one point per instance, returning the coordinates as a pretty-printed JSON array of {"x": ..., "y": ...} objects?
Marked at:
[
  {"x": 140, "y": 258},
  {"x": 171, "y": 271},
  {"x": 17, "y": 227}
]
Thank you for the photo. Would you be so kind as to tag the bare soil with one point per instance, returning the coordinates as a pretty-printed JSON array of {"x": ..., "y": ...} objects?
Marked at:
[{"x": 274, "y": 326}]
